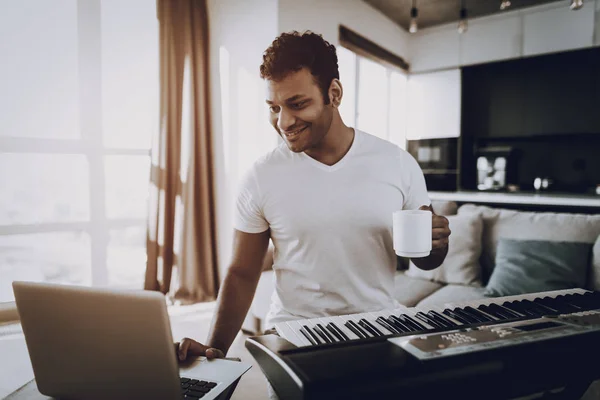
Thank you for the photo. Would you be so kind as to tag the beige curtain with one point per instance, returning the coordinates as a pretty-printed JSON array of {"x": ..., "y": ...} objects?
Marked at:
[{"x": 181, "y": 224}]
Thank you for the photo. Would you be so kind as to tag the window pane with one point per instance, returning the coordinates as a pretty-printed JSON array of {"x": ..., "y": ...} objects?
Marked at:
[
  {"x": 127, "y": 257},
  {"x": 130, "y": 74},
  {"x": 39, "y": 69},
  {"x": 347, "y": 67},
  {"x": 372, "y": 98},
  {"x": 398, "y": 83},
  {"x": 58, "y": 257},
  {"x": 127, "y": 184},
  {"x": 43, "y": 188}
]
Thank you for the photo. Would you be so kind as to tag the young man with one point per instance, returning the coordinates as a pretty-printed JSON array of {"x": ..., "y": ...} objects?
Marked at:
[{"x": 325, "y": 197}]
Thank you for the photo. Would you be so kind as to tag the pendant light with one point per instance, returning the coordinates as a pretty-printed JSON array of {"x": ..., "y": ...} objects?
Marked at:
[
  {"x": 414, "y": 13},
  {"x": 505, "y": 4},
  {"x": 576, "y": 4},
  {"x": 463, "y": 25}
]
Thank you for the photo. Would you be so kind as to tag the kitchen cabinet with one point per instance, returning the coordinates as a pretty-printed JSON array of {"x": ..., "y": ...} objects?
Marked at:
[{"x": 434, "y": 103}]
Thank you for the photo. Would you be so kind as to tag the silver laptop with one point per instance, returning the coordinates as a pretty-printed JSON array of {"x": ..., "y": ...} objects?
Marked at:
[{"x": 90, "y": 343}]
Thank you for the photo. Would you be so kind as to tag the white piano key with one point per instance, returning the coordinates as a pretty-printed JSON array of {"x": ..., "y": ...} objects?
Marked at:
[
  {"x": 288, "y": 333},
  {"x": 324, "y": 321},
  {"x": 295, "y": 326},
  {"x": 339, "y": 321}
]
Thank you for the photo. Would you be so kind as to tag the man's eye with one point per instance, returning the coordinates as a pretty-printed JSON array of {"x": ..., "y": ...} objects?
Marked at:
[
  {"x": 299, "y": 105},
  {"x": 274, "y": 109}
]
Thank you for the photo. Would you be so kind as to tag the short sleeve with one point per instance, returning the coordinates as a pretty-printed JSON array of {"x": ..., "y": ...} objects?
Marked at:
[
  {"x": 248, "y": 214},
  {"x": 416, "y": 194}
]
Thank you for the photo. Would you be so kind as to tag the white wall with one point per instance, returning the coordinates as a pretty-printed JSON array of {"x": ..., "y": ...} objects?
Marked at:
[
  {"x": 536, "y": 30},
  {"x": 240, "y": 31},
  {"x": 325, "y": 16}
]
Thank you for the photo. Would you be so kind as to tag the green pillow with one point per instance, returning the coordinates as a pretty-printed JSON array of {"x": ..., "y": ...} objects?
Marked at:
[{"x": 530, "y": 266}]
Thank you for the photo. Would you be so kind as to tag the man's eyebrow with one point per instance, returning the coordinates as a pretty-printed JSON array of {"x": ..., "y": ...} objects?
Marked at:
[{"x": 291, "y": 99}]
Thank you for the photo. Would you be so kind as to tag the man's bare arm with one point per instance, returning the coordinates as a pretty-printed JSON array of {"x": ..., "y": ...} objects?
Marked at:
[
  {"x": 234, "y": 298},
  {"x": 238, "y": 288}
]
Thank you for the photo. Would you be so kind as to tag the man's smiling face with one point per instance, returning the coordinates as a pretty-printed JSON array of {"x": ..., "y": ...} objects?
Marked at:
[{"x": 298, "y": 111}]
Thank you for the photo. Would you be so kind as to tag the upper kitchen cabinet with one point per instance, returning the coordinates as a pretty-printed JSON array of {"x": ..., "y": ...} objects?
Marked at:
[
  {"x": 434, "y": 50},
  {"x": 434, "y": 104},
  {"x": 561, "y": 93},
  {"x": 491, "y": 39},
  {"x": 558, "y": 29},
  {"x": 493, "y": 100}
]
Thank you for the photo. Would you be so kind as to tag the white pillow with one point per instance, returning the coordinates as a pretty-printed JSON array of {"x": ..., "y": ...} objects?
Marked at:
[
  {"x": 461, "y": 265},
  {"x": 595, "y": 272}
]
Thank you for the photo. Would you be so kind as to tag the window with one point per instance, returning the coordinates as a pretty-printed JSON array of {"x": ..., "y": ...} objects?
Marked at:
[
  {"x": 77, "y": 116},
  {"x": 374, "y": 97}
]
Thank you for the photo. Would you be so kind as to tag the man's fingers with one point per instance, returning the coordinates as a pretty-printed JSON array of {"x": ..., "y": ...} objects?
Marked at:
[
  {"x": 190, "y": 347},
  {"x": 439, "y": 222},
  {"x": 439, "y": 244},
  {"x": 214, "y": 353},
  {"x": 440, "y": 233}
]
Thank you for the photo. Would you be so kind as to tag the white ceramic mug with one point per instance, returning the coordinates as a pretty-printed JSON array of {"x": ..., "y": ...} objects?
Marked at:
[{"x": 412, "y": 233}]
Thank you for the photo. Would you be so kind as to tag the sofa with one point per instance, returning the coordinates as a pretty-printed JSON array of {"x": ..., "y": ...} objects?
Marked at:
[{"x": 477, "y": 232}]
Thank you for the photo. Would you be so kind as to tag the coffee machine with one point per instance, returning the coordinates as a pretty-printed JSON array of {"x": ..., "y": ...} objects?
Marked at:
[{"x": 495, "y": 168}]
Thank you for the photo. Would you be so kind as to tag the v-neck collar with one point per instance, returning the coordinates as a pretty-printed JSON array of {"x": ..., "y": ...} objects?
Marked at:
[{"x": 341, "y": 162}]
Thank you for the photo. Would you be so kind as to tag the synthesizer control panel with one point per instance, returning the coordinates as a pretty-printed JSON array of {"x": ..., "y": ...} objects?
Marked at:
[{"x": 468, "y": 340}]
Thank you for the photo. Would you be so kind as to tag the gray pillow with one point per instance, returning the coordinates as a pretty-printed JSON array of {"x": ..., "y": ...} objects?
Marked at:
[{"x": 530, "y": 266}]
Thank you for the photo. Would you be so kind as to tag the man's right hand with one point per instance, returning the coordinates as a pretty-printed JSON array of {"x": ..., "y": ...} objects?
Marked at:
[{"x": 189, "y": 347}]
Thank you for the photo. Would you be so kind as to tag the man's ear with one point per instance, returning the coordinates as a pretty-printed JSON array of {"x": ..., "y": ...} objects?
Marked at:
[{"x": 336, "y": 92}]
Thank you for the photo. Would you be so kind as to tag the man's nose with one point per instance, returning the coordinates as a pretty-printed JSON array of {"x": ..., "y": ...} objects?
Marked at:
[{"x": 286, "y": 121}]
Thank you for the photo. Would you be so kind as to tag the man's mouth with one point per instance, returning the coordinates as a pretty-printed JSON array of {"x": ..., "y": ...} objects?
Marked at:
[{"x": 295, "y": 133}]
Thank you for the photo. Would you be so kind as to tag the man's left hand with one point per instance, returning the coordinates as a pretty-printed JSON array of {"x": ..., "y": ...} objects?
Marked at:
[{"x": 440, "y": 230}]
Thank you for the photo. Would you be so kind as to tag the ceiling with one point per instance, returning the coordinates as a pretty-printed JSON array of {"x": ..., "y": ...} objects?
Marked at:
[{"x": 438, "y": 12}]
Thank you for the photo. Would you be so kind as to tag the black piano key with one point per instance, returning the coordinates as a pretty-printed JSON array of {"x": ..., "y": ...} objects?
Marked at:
[
  {"x": 368, "y": 328},
  {"x": 445, "y": 318},
  {"x": 577, "y": 299},
  {"x": 372, "y": 327},
  {"x": 513, "y": 306},
  {"x": 307, "y": 336},
  {"x": 402, "y": 326},
  {"x": 340, "y": 333},
  {"x": 493, "y": 313},
  {"x": 423, "y": 317},
  {"x": 356, "y": 329},
  {"x": 418, "y": 326},
  {"x": 511, "y": 314},
  {"x": 540, "y": 308},
  {"x": 568, "y": 307},
  {"x": 321, "y": 334},
  {"x": 466, "y": 315},
  {"x": 454, "y": 315},
  {"x": 383, "y": 322},
  {"x": 329, "y": 336},
  {"x": 311, "y": 333},
  {"x": 478, "y": 314},
  {"x": 544, "y": 303},
  {"x": 440, "y": 319}
]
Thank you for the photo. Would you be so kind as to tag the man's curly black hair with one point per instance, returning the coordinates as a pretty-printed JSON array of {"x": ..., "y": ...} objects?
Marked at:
[{"x": 290, "y": 52}]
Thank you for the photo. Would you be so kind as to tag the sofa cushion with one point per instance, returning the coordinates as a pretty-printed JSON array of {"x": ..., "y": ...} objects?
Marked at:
[
  {"x": 444, "y": 207},
  {"x": 409, "y": 291},
  {"x": 502, "y": 223},
  {"x": 594, "y": 281},
  {"x": 461, "y": 265},
  {"x": 452, "y": 294},
  {"x": 530, "y": 266}
]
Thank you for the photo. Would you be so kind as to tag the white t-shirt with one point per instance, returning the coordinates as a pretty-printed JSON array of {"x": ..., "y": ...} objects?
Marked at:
[{"x": 331, "y": 226}]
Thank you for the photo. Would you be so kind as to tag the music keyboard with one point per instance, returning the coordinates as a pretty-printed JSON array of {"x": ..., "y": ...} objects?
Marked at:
[
  {"x": 469, "y": 350},
  {"x": 414, "y": 320}
]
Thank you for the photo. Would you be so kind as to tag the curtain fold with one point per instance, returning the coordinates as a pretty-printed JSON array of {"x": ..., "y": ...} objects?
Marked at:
[{"x": 181, "y": 222}]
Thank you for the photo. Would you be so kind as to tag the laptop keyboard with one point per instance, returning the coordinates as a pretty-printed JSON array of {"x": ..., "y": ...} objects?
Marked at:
[{"x": 194, "y": 388}]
